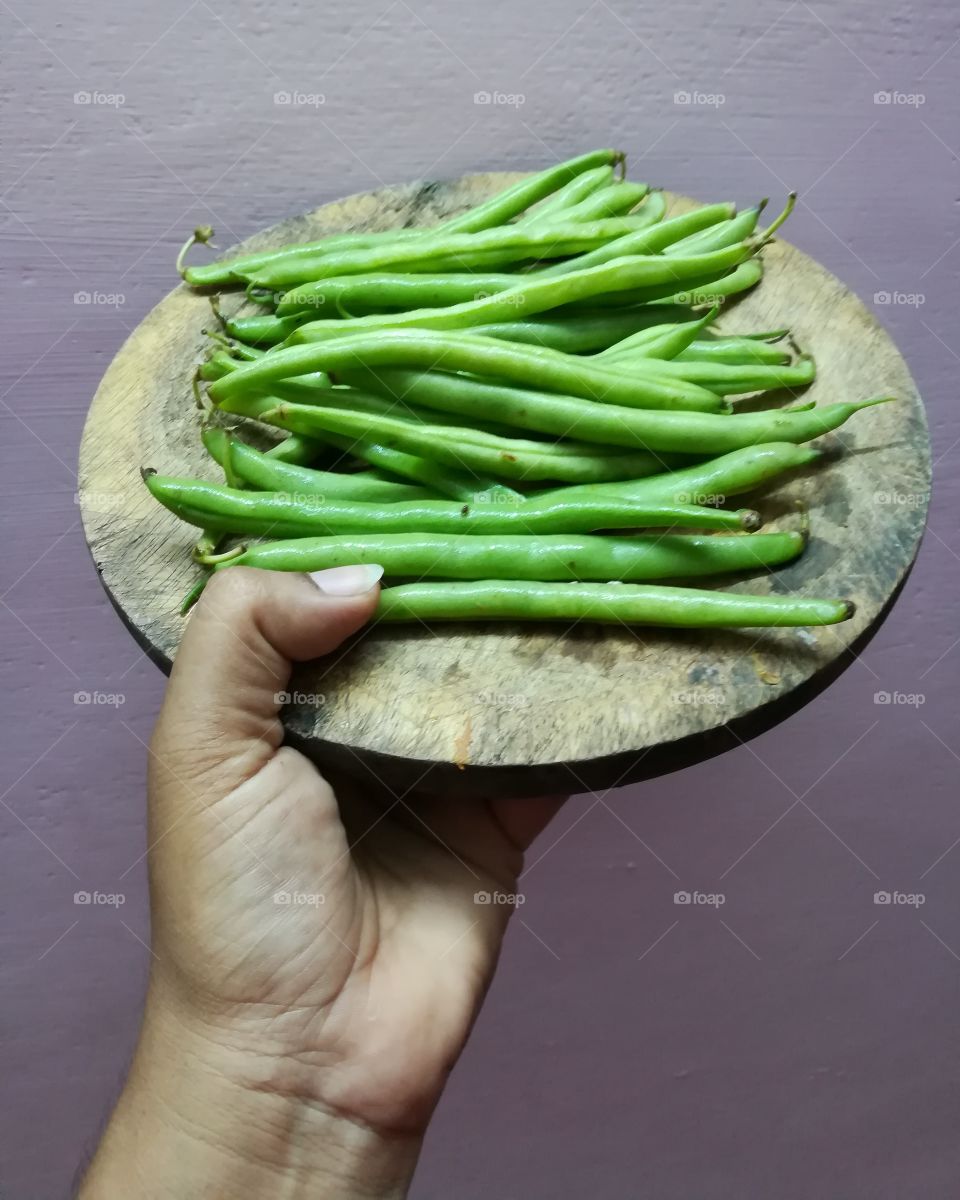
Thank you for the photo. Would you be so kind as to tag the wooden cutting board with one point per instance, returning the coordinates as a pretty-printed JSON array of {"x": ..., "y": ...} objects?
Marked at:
[{"x": 534, "y": 708}]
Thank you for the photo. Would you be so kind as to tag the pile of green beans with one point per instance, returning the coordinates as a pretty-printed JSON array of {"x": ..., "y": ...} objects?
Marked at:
[{"x": 528, "y": 411}]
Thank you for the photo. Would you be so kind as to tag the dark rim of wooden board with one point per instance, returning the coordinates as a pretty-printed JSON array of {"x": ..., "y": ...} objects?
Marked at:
[{"x": 535, "y": 708}]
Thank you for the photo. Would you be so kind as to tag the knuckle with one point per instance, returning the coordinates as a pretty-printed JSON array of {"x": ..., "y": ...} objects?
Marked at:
[{"x": 232, "y": 591}]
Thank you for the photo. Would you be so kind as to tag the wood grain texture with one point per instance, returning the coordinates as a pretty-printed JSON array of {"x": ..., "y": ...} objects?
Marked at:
[{"x": 535, "y": 707}]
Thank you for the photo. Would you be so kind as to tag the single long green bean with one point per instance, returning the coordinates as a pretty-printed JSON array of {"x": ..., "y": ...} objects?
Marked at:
[
  {"x": 607, "y": 424},
  {"x": 613, "y": 201},
  {"x": 711, "y": 481},
  {"x": 379, "y": 292},
  {"x": 579, "y": 333},
  {"x": 581, "y": 186},
  {"x": 537, "y": 294},
  {"x": 505, "y": 244},
  {"x": 552, "y": 557},
  {"x": 725, "y": 233},
  {"x": 509, "y": 457},
  {"x": 725, "y": 379},
  {"x": 734, "y": 350},
  {"x": 259, "y": 470},
  {"x": 517, "y": 199},
  {"x": 661, "y": 341},
  {"x": 529, "y": 365},
  {"x": 276, "y": 514},
  {"x": 622, "y": 604},
  {"x": 709, "y": 289}
]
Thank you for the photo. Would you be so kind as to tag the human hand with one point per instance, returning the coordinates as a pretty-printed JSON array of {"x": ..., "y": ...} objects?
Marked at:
[{"x": 305, "y": 1040}]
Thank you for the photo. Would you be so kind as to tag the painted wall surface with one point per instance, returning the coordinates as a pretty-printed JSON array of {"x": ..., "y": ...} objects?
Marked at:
[{"x": 799, "y": 1042}]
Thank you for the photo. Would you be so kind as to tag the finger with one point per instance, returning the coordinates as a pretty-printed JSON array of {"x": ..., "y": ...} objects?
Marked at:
[{"x": 220, "y": 716}]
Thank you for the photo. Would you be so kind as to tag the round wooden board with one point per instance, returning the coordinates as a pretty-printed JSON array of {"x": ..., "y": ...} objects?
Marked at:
[{"x": 534, "y": 708}]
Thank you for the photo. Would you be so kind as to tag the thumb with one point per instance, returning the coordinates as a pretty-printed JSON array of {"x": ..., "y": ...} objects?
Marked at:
[{"x": 220, "y": 716}]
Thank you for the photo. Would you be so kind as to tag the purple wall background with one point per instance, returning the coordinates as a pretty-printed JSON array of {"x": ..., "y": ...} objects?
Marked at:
[{"x": 801, "y": 1041}]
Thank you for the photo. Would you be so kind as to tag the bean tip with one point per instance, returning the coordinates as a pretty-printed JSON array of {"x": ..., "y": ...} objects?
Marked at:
[{"x": 849, "y": 609}]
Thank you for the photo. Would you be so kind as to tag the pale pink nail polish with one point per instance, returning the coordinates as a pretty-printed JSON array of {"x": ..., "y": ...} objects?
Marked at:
[{"x": 348, "y": 581}]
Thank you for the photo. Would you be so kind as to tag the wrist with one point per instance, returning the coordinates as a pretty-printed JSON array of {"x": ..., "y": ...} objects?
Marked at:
[{"x": 200, "y": 1117}]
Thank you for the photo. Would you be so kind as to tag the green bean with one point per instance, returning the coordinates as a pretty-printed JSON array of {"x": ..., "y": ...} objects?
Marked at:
[
  {"x": 382, "y": 291},
  {"x": 498, "y": 209},
  {"x": 659, "y": 341},
  {"x": 294, "y": 449},
  {"x": 263, "y": 329},
  {"x": 216, "y": 507},
  {"x": 734, "y": 350},
  {"x": 652, "y": 210},
  {"x": 443, "y": 480},
  {"x": 717, "y": 236},
  {"x": 510, "y": 457},
  {"x": 709, "y": 482},
  {"x": 585, "y": 331},
  {"x": 517, "y": 199},
  {"x": 609, "y": 424},
  {"x": 559, "y": 557},
  {"x": 709, "y": 289},
  {"x": 262, "y": 471},
  {"x": 620, "y": 604},
  {"x": 725, "y": 379},
  {"x": 506, "y": 244},
  {"x": 230, "y": 271},
  {"x": 533, "y": 365},
  {"x": 581, "y": 186},
  {"x": 536, "y": 293},
  {"x": 613, "y": 201},
  {"x": 652, "y": 240}
]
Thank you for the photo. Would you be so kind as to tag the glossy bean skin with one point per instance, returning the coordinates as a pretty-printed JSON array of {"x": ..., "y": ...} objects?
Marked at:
[
  {"x": 724, "y": 233},
  {"x": 551, "y": 557},
  {"x": 517, "y": 199},
  {"x": 711, "y": 481},
  {"x": 737, "y": 351},
  {"x": 380, "y": 292},
  {"x": 697, "y": 433},
  {"x": 527, "y": 365},
  {"x": 442, "y": 251},
  {"x": 508, "y": 457},
  {"x": 579, "y": 188},
  {"x": 612, "y": 282},
  {"x": 706, "y": 291},
  {"x": 277, "y": 514},
  {"x": 268, "y": 473},
  {"x": 661, "y": 341},
  {"x": 623, "y": 604},
  {"x": 613, "y": 201},
  {"x": 653, "y": 239},
  {"x": 584, "y": 332}
]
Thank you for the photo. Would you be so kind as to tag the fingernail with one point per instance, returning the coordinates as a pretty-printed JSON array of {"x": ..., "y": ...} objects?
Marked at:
[{"x": 348, "y": 581}]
